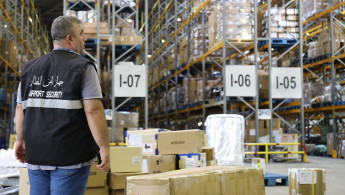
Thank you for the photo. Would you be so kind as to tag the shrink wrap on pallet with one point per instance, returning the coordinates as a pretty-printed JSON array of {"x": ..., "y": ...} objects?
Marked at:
[{"x": 225, "y": 133}]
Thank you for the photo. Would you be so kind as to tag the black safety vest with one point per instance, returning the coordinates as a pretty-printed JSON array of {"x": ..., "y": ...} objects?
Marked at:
[{"x": 55, "y": 125}]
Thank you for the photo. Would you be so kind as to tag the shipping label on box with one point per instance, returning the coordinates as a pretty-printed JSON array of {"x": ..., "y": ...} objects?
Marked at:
[
  {"x": 159, "y": 163},
  {"x": 97, "y": 178},
  {"x": 180, "y": 142},
  {"x": 125, "y": 159},
  {"x": 187, "y": 161},
  {"x": 147, "y": 139}
]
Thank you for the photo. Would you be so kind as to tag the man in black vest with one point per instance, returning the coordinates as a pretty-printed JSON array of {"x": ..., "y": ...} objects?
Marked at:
[{"x": 60, "y": 120}]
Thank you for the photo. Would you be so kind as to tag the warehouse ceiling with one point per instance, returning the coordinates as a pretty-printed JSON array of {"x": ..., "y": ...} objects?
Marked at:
[{"x": 49, "y": 10}]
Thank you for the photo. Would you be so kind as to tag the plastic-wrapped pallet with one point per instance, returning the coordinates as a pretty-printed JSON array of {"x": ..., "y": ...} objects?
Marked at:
[
  {"x": 312, "y": 7},
  {"x": 226, "y": 134},
  {"x": 238, "y": 20}
]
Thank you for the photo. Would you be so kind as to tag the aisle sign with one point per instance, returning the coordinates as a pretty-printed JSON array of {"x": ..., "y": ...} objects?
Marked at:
[
  {"x": 286, "y": 83},
  {"x": 240, "y": 80},
  {"x": 130, "y": 81}
]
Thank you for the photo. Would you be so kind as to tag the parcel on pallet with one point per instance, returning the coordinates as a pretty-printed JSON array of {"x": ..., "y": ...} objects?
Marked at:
[{"x": 307, "y": 181}]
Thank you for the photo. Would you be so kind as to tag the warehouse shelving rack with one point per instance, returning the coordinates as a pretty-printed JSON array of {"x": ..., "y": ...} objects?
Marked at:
[
  {"x": 112, "y": 14},
  {"x": 223, "y": 102},
  {"x": 19, "y": 22}
]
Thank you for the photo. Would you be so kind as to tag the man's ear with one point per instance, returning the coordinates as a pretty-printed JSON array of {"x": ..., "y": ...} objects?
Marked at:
[{"x": 69, "y": 38}]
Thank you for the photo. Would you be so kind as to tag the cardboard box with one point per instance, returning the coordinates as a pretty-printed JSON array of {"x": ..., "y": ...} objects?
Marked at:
[
  {"x": 125, "y": 159},
  {"x": 91, "y": 28},
  {"x": 201, "y": 181},
  {"x": 307, "y": 181},
  {"x": 187, "y": 161},
  {"x": 147, "y": 139},
  {"x": 180, "y": 142},
  {"x": 117, "y": 181},
  {"x": 24, "y": 183},
  {"x": 133, "y": 40},
  {"x": 210, "y": 155},
  {"x": 290, "y": 138},
  {"x": 259, "y": 163},
  {"x": 159, "y": 163},
  {"x": 124, "y": 121},
  {"x": 117, "y": 192},
  {"x": 97, "y": 178},
  {"x": 97, "y": 191}
]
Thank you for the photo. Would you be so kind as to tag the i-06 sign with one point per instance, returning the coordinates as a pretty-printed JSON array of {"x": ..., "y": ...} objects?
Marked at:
[{"x": 240, "y": 80}]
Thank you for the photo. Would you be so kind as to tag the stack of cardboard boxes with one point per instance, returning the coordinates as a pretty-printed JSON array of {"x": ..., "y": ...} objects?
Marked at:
[
  {"x": 311, "y": 90},
  {"x": 97, "y": 182},
  {"x": 250, "y": 132},
  {"x": 323, "y": 45},
  {"x": 196, "y": 42},
  {"x": 90, "y": 30},
  {"x": 173, "y": 103},
  {"x": 125, "y": 35},
  {"x": 283, "y": 19},
  {"x": 192, "y": 90},
  {"x": 215, "y": 180},
  {"x": 183, "y": 51}
]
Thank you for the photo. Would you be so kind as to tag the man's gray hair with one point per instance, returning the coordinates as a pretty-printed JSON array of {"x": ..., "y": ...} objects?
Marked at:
[{"x": 62, "y": 26}]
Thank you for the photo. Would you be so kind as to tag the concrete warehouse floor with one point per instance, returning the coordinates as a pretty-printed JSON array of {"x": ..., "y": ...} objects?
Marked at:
[{"x": 335, "y": 174}]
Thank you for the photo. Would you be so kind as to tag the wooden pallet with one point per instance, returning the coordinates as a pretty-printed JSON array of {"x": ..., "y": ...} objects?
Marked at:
[{"x": 273, "y": 179}]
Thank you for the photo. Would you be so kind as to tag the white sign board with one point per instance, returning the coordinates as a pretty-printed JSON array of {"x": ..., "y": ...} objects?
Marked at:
[
  {"x": 264, "y": 114},
  {"x": 286, "y": 83},
  {"x": 130, "y": 81},
  {"x": 240, "y": 80}
]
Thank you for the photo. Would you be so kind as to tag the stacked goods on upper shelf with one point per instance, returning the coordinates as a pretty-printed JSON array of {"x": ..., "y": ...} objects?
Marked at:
[
  {"x": 313, "y": 7},
  {"x": 125, "y": 34},
  {"x": 12, "y": 52},
  {"x": 183, "y": 51},
  {"x": 283, "y": 19},
  {"x": 323, "y": 45},
  {"x": 171, "y": 60},
  {"x": 174, "y": 103},
  {"x": 192, "y": 90},
  {"x": 238, "y": 21},
  {"x": 312, "y": 90},
  {"x": 90, "y": 30},
  {"x": 201, "y": 181},
  {"x": 196, "y": 42}
]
